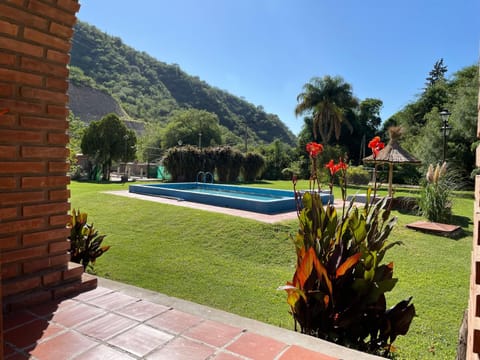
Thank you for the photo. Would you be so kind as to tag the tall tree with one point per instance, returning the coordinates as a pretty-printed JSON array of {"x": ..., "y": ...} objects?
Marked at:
[
  {"x": 437, "y": 73},
  {"x": 192, "y": 127},
  {"x": 108, "y": 140},
  {"x": 369, "y": 115},
  {"x": 327, "y": 100}
]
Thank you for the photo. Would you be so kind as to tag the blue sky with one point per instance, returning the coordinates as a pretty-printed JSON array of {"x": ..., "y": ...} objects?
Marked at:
[{"x": 266, "y": 50}]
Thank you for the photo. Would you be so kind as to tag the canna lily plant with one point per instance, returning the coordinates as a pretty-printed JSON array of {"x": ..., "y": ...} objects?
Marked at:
[{"x": 338, "y": 289}]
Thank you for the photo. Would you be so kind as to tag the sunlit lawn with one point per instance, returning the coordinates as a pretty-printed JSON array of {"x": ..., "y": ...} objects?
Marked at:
[{"x": 236, "y": 264}]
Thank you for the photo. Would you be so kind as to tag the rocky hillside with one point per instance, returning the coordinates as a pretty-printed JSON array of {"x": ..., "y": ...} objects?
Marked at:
[{"x": 108, "y": 76}]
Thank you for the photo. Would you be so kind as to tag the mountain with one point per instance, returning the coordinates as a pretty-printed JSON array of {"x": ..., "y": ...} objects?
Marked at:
[{"x": 108, "y": 76}]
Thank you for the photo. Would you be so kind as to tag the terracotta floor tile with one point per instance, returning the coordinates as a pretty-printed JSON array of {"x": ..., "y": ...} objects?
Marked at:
[
  {"x": 112, "y": 301},
  {"x": 17, "y": 318},
  {"x": 92, "y": 294},
  {"x": 103, "y": 352},
  {"x": 30, "y": 333},
  {"x": 63, "y": 346},
  {"x": 227, "y": 356},
  {"x": 52, "y": 307},
  {"x": 174, "y": 321},
  {"x": 295, "y": 352},
  {"x": 140, "y": 340},
  {"x": 213, "y": 333},
  {"x": 182, "y": 349},
  {"x": 76, "y": 314},
  {"x": 256, "y": 346},
  {"x": 106, "y": 326},
  {"x": 142, "y": 310}
]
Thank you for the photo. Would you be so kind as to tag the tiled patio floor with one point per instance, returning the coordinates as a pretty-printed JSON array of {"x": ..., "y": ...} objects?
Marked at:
[{"x": 117, "y": 321}]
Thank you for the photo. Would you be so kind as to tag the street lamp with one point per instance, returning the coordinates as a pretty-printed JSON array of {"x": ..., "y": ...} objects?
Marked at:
[
  {"x": 126, "y": 143},
  {"x": 200, "y": 140},
  {"x": 445, "y": 114}
]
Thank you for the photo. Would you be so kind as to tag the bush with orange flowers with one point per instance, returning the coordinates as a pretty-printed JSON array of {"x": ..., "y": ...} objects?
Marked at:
[{"x": 338, "y": 289}]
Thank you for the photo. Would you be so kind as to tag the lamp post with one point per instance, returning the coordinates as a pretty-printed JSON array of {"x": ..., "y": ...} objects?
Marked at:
[
  {"x": 200, "y": 140},
  {"x": 125, "y": 137},
  {"x": 445, "y": 114}
]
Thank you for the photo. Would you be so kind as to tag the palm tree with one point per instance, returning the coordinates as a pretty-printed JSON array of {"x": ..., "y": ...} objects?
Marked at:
[{"x": 327, "y": 99}]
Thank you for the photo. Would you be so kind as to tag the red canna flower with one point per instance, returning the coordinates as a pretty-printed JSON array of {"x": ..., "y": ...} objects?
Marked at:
[
  {"x": 314, "y": 148},
  {"x": 342, "y": 166},
  {"x": 331, "y": 166},
  {"x": 376, "y": 145},
  {"x": 334, "y": 168}
]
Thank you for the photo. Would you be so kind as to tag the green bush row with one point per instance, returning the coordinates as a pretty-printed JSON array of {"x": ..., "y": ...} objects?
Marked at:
[{"x": 185, "y": 162}]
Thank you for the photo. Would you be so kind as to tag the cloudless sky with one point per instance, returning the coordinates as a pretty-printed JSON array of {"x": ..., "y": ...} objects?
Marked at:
[{"x": 266, "y": 50}]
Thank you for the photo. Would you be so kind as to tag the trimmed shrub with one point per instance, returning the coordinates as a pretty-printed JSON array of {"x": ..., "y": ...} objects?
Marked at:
[
  {"x": 358, "y": 175},
  {"x": 253, "y": 164}
]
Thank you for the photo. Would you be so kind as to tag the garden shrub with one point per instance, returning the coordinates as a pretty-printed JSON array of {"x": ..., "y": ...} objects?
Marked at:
[
  {"x": 435, "y": 201},
  {"x": 252, "y": 166},
  {"x": 358, "y": 175},
  {"x": 183, "y": 162},
  {"x": 85, "y": 243}
]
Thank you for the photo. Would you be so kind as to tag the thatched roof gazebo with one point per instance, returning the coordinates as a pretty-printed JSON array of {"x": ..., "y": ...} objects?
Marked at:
[{"x": 392, "y": 154}]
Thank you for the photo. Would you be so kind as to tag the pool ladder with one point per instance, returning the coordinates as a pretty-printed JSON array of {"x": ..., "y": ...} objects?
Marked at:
[{"x": 204, "y": 176}]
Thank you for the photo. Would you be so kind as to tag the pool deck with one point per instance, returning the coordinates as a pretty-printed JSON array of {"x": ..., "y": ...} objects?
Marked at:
[
  {"x": 266, "y": 218},
  {"x": 234, "y": 212}
]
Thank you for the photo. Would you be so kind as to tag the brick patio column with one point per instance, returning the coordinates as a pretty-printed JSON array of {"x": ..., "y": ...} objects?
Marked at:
[
  {"x": 473, "y": 339},
  {"x": 35, "y": 43}
]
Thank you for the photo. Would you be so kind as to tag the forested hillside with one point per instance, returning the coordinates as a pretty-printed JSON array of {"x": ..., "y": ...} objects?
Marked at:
[{"x": 148, "y": 90}]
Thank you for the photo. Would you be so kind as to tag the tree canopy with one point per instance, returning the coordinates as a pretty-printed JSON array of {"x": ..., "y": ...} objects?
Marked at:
[
  {"x": 422, "y": 123},
  {"x": 192, "y": 127},
  {"x": 108, "y": 140},
  {"x": 328, "y": 100}
]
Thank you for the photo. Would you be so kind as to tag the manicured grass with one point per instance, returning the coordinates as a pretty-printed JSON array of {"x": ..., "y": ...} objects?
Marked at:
[{"x": 236, "y": 264}]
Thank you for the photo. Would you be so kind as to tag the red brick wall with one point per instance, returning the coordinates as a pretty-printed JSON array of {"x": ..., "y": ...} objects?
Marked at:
[{"x": 34, "y": 52}]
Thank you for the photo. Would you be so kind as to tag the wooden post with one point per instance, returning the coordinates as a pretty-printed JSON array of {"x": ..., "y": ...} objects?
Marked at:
[{"x": 390, "y": 179}]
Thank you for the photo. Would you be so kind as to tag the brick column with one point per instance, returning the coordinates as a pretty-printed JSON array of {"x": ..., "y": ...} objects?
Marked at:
[
  {"x": 473, "y": 340},
  {"x": 35, "y": 43}
]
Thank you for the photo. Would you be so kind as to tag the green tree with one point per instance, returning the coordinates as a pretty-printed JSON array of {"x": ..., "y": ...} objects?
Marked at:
[
  {"x": 192, "y": 127},
  {"x": 462, "y": 140},
  {"x": 369, "y": 115},
  {"x": 422, "y": 125},
  {"x": 76, "y": 128},
  {"x": 108, "y": 140},
  {"x": 437, "y": 73},
  {"x": 149, "y": 145},
  {"x": 327, "y": 100},
  {"x": 277, "y": 157},
  {"x": 366, "y": 127}
]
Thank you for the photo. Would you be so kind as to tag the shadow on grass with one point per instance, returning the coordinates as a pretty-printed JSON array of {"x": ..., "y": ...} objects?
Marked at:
[{"x": 462, "y": 221}]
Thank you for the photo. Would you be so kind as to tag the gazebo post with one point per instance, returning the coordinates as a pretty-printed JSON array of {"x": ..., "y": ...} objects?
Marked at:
[{"x": 390, "y": 179}]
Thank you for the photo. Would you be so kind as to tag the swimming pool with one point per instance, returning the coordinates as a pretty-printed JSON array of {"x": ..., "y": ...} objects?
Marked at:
[{"x": 261, "y": 200}]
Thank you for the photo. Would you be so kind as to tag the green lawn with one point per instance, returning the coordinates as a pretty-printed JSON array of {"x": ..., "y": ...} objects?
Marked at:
[{"x": 236, "y": 264}]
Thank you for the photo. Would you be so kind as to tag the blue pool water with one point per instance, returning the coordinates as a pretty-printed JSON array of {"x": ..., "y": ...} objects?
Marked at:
[{"x": 261, "y": 200}]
